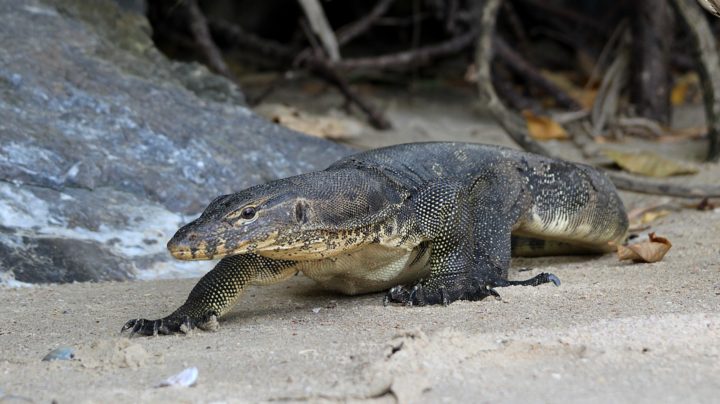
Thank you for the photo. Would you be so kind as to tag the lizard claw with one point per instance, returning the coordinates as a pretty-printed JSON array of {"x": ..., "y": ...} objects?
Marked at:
[
  {"x": 534, "y": 281},
  {"x": 492, "y": 292},
  {"x": 403, "y": 295},
  {"x": 130, "y": 324},
  {"x": 413, "y": 295},
  {"x": 554, "y": 279},
  {"x": 396, "y": 294},
  {"x": 443, "y": 296}
]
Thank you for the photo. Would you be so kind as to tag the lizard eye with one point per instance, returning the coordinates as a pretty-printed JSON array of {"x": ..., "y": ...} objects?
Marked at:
[{"x": 248, "y": 213}]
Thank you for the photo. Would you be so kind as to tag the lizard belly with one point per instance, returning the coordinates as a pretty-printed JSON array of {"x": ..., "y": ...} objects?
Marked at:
[{"x": 372, "y": 268}]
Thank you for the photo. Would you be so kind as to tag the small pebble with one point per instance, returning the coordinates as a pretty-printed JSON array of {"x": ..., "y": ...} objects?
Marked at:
[
  {"x": 62, "y": 353},
  {"x": 316, "y": 310},
  {"x": 186, "y": 378}
]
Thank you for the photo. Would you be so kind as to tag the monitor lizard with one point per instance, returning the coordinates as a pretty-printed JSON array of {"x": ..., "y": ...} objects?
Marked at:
[{"x": 430, "y": 223}]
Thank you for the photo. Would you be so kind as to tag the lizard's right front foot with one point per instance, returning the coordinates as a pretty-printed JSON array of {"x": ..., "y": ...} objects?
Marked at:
[{"x": 170, "y": 325}]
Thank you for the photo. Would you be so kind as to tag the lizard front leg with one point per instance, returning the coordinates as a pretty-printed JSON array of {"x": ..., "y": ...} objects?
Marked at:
[{"x": 215, "y": 294}]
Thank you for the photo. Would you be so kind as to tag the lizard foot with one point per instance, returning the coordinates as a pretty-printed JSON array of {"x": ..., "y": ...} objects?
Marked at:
[
  {"x": 402, "y": 294},
  {"x": 534, "y": 281},
  {"x": 426, "y": 293},
  {"x": 170, "y": 325},
  {"x": 488, "y": 289},
  {"x": 422, "y": 294}
]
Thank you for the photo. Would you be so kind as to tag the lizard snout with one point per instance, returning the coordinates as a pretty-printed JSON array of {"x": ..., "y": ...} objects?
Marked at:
[{"x": 188, "y": 245}]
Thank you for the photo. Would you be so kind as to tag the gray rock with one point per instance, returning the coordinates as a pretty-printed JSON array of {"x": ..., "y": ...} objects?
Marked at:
[{"x": 106, "y": 147}]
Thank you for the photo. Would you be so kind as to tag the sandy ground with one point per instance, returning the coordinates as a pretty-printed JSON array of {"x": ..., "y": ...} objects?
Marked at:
[{"x": 613, "y": 332}]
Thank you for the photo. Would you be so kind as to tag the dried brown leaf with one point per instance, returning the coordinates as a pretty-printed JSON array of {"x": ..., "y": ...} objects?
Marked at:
[
  {"x": 329, "y": 127},
  {"x": 639, "y": 217},
  {"x": 684, "y": 86},
  {"x": 543, "y": 127},
  {"x": 653, "y": 215},
  {"x": 673, "y": 135},
  {"x": 649, "y": 164},
  {"x": 584, "y": 96},
  {"x": 652, "y": 250}
]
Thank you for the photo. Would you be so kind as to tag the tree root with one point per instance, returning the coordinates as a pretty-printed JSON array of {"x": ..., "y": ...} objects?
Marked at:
[{"x": 516, "y": 129}]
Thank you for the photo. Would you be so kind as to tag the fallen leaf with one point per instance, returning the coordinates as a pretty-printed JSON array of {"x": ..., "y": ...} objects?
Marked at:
[
  {"x": 640, "y": 217},
  {"x": 332, "y": 126},
  {"x": 683, "y": 134},
  {"x": 683, "y": 86},
  {"x": 652, "y": 250},
  {"x": 543, "y": 127},
  {"x": 649, "y": 164},
  {"x": 584, "y": 96},
  {"x": 653, "y": 215},
  {"x": 560, "y": 79}
]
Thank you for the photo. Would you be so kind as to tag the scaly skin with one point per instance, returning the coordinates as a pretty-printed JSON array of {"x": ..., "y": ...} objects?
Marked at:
[{"x": 430, "y": 222}]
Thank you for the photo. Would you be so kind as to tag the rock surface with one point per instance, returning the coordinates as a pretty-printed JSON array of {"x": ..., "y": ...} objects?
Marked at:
[{"x": 106, "y": 147}]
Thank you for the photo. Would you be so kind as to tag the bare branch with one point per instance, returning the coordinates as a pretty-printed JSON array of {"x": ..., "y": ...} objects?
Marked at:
[
  {"x": 522, "y": 67},
  {"x": 518, "y": 132},
  {"x": 321, "y": 27},
  {"x": 201, "y": 33},
  {"x": 241, "y": 38},
  {"x": 708, "y": 62},
  {"x": 352, "y": 30},
  {"x": 412, "y": 58}
]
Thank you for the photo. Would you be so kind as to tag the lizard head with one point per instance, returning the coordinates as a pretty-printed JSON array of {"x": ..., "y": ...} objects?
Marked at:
[
  {"x": 311, "y": 216},
  {"x": 236, "y": 224}
]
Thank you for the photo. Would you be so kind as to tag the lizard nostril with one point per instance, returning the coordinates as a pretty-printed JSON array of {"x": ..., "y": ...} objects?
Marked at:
[{"x": 192, "y": 236}]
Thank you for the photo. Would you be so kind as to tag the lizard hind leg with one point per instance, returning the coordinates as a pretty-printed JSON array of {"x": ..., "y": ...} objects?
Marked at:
[
  {"x": 445, "y": 218},
  {"x": 470, "y": 232}
]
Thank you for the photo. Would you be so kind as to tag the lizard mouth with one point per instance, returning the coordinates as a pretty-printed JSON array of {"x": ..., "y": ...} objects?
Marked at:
[
  {"x": 188, "y": 254},
  {"x": 197, "y": 251},
  {"x": 187, "y": 246}
]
